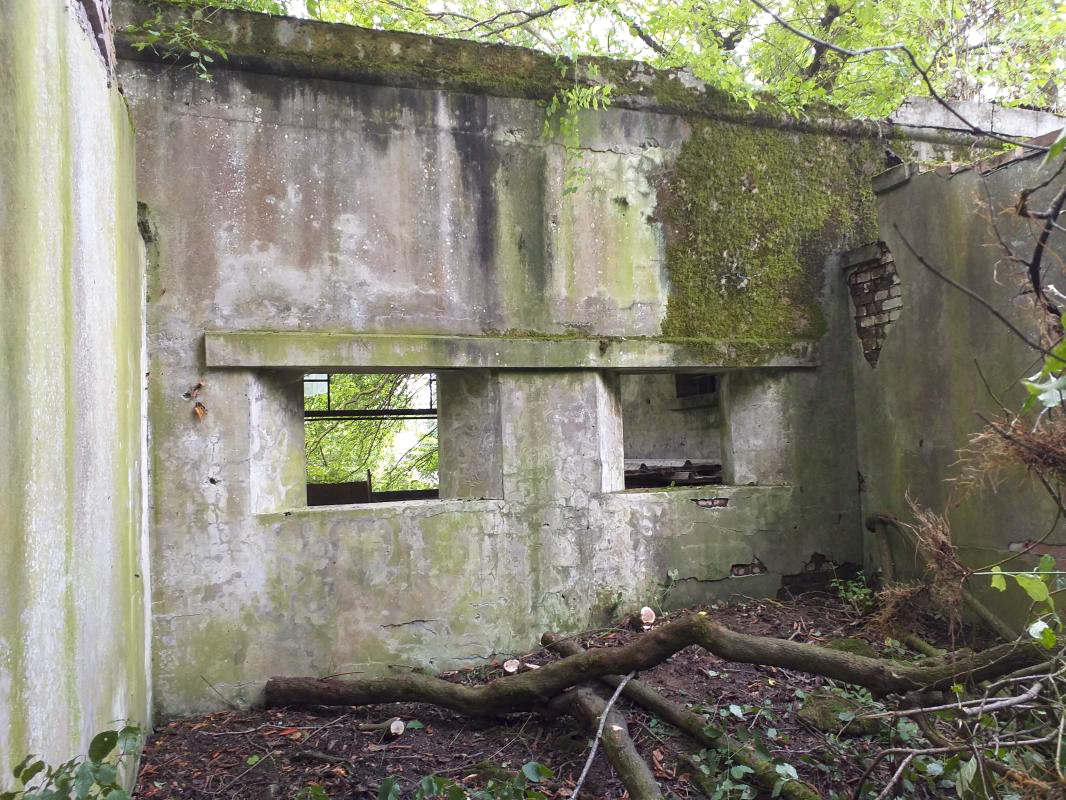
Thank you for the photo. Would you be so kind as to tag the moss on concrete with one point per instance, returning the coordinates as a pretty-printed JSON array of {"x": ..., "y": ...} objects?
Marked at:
[
  {"x": 751, "y": 214},
  {"x": 72, "y": 655}
]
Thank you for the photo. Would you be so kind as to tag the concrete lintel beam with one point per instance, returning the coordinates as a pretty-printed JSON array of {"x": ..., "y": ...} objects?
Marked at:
[{"x": 338, "y": 352}]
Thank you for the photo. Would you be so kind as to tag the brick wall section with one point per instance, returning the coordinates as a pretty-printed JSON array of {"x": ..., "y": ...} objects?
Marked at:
[
  {"x": 876, "y": 295},
  {"x": 95, "y": 17}
]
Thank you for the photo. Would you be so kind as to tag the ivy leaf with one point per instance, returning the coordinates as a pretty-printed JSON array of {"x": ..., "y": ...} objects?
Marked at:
[
  {"x": 739, "y": 771},
  {"x": 736, "y": 711}
]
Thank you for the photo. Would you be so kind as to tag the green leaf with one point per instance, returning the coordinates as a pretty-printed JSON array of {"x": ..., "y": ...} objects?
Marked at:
[
  {"x": 129, "y": 739},
  {"x": 29, "y": 772},
  {"x": 787, "y": 771},
  {"x": 102, "y": 745},
  {"x": 105, "y": 774},
  {"x": 83, "y": 781},
  {"x": 846, "y": 716},
  {"x": 1043, "y": 633},
  {"x": 415, "y": 724},
  {"x": 998, "y": 582},
  {"x": 966, "y": 775},
  {"x": 1056, "y": 149},
  {"x": 117, "y": 794},
  {"x": 536, "y": 773},
  {"x": 390, "y": 789},
  {"x": 736, "y": 711},
  {"x": 1046, "y": 565},
  {"x": 1033, "y": 586},
  {"x": 739, "y": 771},
  {"x": 17, "y": 771},
  {"x": 252, "y": 760}
]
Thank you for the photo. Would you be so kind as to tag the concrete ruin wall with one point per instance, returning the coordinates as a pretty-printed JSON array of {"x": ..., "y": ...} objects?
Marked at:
[
  {"x": 340, "y": 199},
  {"x": 73, "y": 619},
  {"x": 918, "y": 407}
]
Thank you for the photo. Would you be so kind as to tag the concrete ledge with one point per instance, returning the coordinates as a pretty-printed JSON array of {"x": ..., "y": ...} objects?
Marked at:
[
  {"x": 891, "y": 178},
  {"x": 338, "y": 352},
  {"x": 299, "y": 48}
]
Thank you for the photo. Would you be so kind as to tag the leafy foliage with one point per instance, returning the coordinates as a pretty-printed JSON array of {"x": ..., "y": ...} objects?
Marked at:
[
  {"x": 1004, "y": 50},
  {"x": 82, "y": 778},
  {"x": 344, "y": 450},
  {"x": 182, "y": 37},
  {"x": 856, "y": 594},
  {"x": 1007, "y": 50}
]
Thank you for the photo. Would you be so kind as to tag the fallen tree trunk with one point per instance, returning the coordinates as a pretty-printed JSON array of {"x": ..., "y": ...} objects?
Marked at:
[
  {"x": 695, "y": 726},
  {"x": 535, "y": 689},
  {"x": 586, "y": 704}
]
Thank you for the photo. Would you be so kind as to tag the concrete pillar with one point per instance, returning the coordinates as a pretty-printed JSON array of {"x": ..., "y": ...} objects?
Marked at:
[
  {"x": 561, "y": 435},
  {"x": 756, "y": 429},
  {"x": 278, "y": 477},
  {"x": 468, "y": 434}
]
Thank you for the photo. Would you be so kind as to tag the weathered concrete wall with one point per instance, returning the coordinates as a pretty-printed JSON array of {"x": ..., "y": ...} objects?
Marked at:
[
  {"x": 657, "y": 424},
  {"x": 333, "y": 182},
  {"x": 73, "y": 617},
  {"x": 918, "y": 407}
]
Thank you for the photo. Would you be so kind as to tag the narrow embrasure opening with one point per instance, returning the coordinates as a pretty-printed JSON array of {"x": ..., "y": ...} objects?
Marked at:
[
  {"x": 370, "y": 438},
  {"x": 671, "y": 430}
]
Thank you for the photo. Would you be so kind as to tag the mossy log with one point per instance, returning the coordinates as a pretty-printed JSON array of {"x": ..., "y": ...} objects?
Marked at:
[{"x": 536, "y": 688}]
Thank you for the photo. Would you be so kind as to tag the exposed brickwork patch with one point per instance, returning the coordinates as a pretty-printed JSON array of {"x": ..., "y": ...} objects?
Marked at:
[
  {"x": 876, "y": 295},
  {"x": 95, "y": 17}
]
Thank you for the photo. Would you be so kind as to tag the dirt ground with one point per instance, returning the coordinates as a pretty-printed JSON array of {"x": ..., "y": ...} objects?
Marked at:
[{"x": 277, "y": 752}]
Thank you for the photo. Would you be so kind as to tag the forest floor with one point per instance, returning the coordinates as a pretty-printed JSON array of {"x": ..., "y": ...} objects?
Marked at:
[{"x": 280, "y": 753}]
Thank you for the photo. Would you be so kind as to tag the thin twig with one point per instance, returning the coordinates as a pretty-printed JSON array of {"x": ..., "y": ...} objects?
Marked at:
[
  {"x": 914, "y": 62},
  {"x": 968, "y": 292},
  {"x": 599, "y": 733}
]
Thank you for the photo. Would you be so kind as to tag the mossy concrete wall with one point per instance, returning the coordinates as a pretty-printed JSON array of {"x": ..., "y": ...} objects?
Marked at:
[
  {"x": 72, "y": 431},
  {"x": 919, "y": 406},
  {"x": 337, "y": 181}
]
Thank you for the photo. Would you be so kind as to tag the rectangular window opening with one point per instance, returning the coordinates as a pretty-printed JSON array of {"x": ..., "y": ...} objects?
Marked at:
[
  {"x": 671, "y": 430},
  {"x": 370, "y": 438}
]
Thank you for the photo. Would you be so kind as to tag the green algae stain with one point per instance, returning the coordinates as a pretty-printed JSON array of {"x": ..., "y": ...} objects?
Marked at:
[{"x": 751, "y": 214}]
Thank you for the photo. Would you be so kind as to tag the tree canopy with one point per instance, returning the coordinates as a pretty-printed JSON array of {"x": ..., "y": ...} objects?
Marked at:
[{"x": 1010, "y": 51}]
